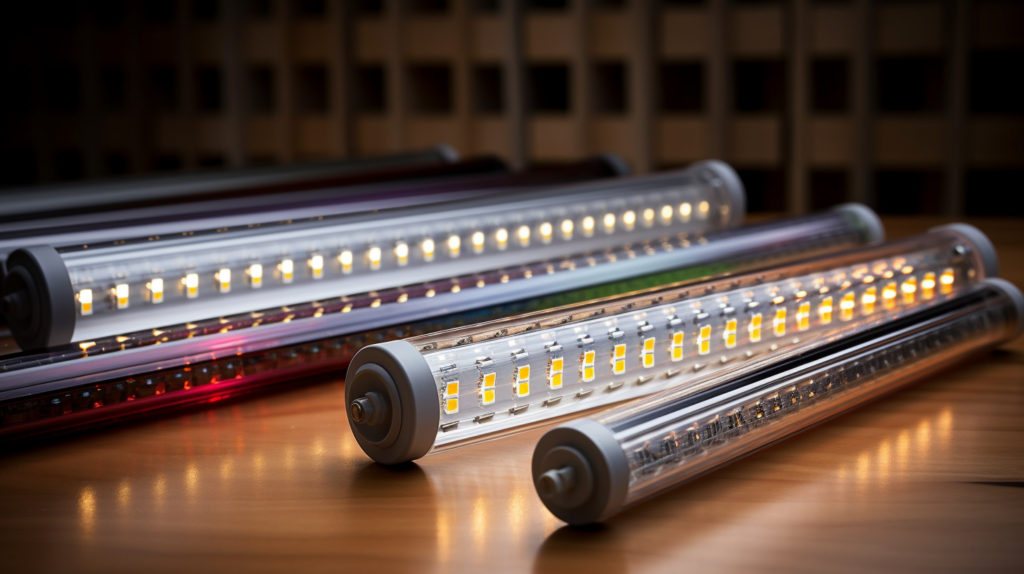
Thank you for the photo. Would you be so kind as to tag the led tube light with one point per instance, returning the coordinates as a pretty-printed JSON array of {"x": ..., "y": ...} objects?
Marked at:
[
  {"x": 112, "y": 378},
  {"x": 408, "y": 398},
  {"x": 41, "y": 203},
  {"x": 588, "y": 470},
  {"x": 43, "y": 289}
]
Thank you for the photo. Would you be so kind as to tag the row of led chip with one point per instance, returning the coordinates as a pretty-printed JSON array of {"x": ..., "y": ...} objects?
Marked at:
[
  {"x": 555, "y": 370},
  {"x": 374, "y": 255}
]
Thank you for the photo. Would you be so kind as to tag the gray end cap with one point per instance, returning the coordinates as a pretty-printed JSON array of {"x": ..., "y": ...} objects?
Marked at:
[
  {"x": 599, "y": 466},
  {"x": 982, "y": 244},
  {"x": 446, "y": 153},
  {"x": 733, "y": 186},
  {"x": 397, "y": 372},
  {"x": 874, "y": 231},
  {"x": 616, "y": 164},
  {"x": 37, "y": 298},
  {"x": 1015, "y": 296}
]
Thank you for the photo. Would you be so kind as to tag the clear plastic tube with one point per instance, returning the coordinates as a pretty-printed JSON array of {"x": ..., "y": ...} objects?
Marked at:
[
  {"x": 481, "y": 381},
  {"x": 114, "y": 377},
  {"x": 106, "y": 290},
  {"x": 588, "y": 470}
]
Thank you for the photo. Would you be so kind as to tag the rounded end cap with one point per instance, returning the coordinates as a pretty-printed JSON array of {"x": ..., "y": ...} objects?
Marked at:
[
  {"x": 580, "y": 472},
  {"x": 447, "y": 153},
  {"x": 392, "y": 402},
  {"x": 733, "y": 186},
  {"x": 37, "y": 298},
  {"x": 1015, "y": 296},
  {"x": 617, "y": 165},
  {"x": 982, "y": 244},
  {"x": 873, "y": 229}
]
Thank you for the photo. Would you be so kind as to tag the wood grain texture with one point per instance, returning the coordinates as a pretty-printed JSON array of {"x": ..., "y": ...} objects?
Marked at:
[{"x": 929, "y": 479}]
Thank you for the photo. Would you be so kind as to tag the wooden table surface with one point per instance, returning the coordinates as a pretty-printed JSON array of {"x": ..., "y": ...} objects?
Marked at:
[{"x": 929, "y": 479}]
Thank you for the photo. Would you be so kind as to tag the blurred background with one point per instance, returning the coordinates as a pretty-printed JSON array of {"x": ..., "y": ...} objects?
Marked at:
[{"x": 909, "y": 106}]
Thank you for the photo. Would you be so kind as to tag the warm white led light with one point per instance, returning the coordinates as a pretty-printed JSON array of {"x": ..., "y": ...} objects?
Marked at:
[
  {"x": 666, "y": 214},
  {"x": 428, "y": 249},
  {"x": 501, "y": 238},
  {"x": 609, "y": 222},
  {"x": 478, "y": 238},
  {"x": 454, "y": 245},
  {"x": 546, "y": 230},
  {"x": 287, "y": 268},
  {"x": 255, "y": 273},
  {"x": 374, "y": 256},
  {"x": 156, "y": 290},
  {"x": 224, "y": 280},
  {"x": 703, "y": 207},
  {"x": 588, "y": 226},
  {"x": 685, "y": 209},
  {"x": 346, "y": 258},
  {"x": 121, "y": 295},
  {"x": 629, "y": 220},
  {"x": 316, "y": 266},
  {"x": 191, "y": 282},
  {"x": 567, "y": 226},
  {"x": 648, "y": 217},
  {"x": 524, "y": 236},
  {"x": 402, "y": 254}
]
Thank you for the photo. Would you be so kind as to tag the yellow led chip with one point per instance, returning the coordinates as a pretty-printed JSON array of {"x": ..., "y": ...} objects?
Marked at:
[
  {"x": 676, "y": 349},
  {"x": 909, "y": 289},
  {"x": 928, "y": 286},
  {"x": 846, "y": 305},
  {"x": 555, "y": 366},
  {"x": 779, "y": 323},
  {"x": 487, "y": 388},
  {"x": 191, "y": 282},
  {"x": 256, "y": 275},
  {"x": 451, "y": 396},
  {"x": 825, "y": 311},
  {"x": 121, "y": 293},
  {"x": 647, "y": 352},
  {"x": 316, "y": 266},
  {"x": 889, "y": 296},
  {"x": 755, "y": 328},
  {"x": 85, "y": 299},
  {"x": 619, "y": 359},
  {"x": 803, "y": 316},
  {"x": 729, "y": 336},
  {"x": 868, "y": 300},
  {"x": 224, "y": 280},
  {"x": 704, "y": 340},
  {"x": 451, "y": 405},
  {"x": 287, "y": 268},
  {"x": 587, "y": 366},
  {"x": 522, "y": 381},
  {"x": 946, "y": 282},
  {"x": 156, "y": 290}
]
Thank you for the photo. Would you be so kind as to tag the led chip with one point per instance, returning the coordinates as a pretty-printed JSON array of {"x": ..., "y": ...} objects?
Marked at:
[
  {"x": 224, "y": 280},
  {"x": 909, "y": 289},
  {"x": 487, "y": 388},
  {"x": 946, "y": 282},
  {"x": 256, "y": 275},
  {"x": 825, "y": 311},
  {"x": 619, "y": 359},
  {"x": 316, "y": 266},
  {"x": 729, "y": 336},
  {"x": 451, "y": 396},
  {"x": 846, "y": 305},
  {"x": 522, "y": 381},
  {"x": 191, "y": 282},
  {"x": 685, "y": 210},
  {"x": 85, "y": 300},
  {"x": 803, "y": 316},
  {"x": 546, "y": 231},
  {"x": 374, "y": 256},
  {"x": 567, "y": 229},
  {"x": 676, "y": 348},
  {"x": 588, "y": 226},
  {"x": 666, "y": 214},
  {"x": 889, "y": 296},
  {"x": 928, "y": 286},
  {"x": 587, "y": 365},
  {"x": 345, "y": 258},
  {"x": 501, "y": 239},
  {"x": 779, "y": 323},
  {"x": 402, "y": 253},
  {"x": 647, "y": 352},
  {"x": 287, "y": 269},
  {"x": 648, "y": 217},
  {"x": 609, "y": 222},
  {"x": 629, "y": 220},
  {"x": 477, "y": 239},
  {"x": 156, "y": 290},
  {"x": 867, "y": 300},
  {"x": 428, "y": 249},
  {"x": 754, "y": 328},
  {"x": 704, "y": 340},
  {"x": 454, "y": 246},
  {"x": 524, "y": 235},
  {"x": 555, "y": 368},
  {"x": 121, "y": 294}
]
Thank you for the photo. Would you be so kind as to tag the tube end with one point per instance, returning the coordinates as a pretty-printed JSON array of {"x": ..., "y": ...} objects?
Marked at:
[
  {"x": 986, "y": 251},
  {"x": 37, "y": 299},
  {"x": 392, "y": 402},
  {"x": 874, "y": 231},
  {"x": 1015, "y": 296},
  {"x": 733, "y": 186},
  {"x": 580, "y": 472}
]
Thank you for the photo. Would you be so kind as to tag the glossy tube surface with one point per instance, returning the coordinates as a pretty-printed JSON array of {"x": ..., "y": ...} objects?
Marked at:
[
  {"x": 129, "y": 285},
  {"x": 207, "y": 360},
  {"x": 588, "y": 470}
]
